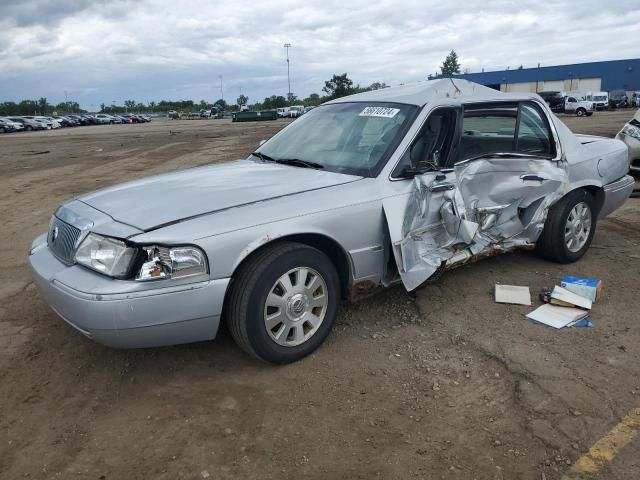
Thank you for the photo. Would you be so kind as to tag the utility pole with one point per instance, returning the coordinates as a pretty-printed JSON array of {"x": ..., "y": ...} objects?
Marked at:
[
  {"x": 288, "y": 46},
  {"x": 221, "y": 92}
]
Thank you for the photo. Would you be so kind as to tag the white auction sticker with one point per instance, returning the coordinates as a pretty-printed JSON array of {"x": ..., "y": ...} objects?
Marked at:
[{"x": 385, "y": 112}]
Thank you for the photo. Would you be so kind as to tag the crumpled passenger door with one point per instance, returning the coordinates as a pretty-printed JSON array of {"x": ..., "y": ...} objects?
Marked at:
[{"x": 482, "y": 206}]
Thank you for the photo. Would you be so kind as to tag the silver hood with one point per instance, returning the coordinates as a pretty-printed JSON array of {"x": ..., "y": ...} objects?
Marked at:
[{"x": 169, "y": 198}]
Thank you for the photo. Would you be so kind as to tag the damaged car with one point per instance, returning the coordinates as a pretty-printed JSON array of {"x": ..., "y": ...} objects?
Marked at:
[
  {"x": 383, "y": 187},
  {"x": 630, "y": 134}
]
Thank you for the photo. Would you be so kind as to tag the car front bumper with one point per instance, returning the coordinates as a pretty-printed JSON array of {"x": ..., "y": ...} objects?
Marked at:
[
  {"x": 130, "y": 318},
  {"x": 615, "y": 194}
]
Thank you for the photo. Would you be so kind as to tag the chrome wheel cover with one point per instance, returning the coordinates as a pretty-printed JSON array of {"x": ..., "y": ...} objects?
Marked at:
[
  {"x": 578, "y": 227},
  {"x": 296, "y": 306}
]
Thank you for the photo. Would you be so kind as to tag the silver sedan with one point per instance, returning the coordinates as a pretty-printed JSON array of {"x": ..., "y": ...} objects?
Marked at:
[{"x": 395, "y": 185}]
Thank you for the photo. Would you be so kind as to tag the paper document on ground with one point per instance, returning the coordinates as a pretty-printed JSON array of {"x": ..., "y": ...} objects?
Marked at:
[
  {"x": 566, "y": 296},
  {"x": 556, "y": 317},
  {"x": 513, "y": 294}
]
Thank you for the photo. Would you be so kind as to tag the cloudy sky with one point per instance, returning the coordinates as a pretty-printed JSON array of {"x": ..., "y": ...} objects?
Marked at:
[{"x": 109, "y": 51}]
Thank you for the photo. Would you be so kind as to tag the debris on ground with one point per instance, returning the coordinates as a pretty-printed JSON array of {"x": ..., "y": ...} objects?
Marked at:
[
  {"x": 590, "y": 288},
  {"x": 556, "y": 316},
  {"x": 512, "y": 294},
  {"x": 564, "y": 298},
  {"x": 568, "y": 305}
]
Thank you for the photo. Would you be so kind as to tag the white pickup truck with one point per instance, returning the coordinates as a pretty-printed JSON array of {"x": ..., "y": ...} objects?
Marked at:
[{"x": 578, "y": 106}]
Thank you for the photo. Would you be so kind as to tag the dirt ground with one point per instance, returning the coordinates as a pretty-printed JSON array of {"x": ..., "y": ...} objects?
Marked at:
[{"x": 443, "y": 384}]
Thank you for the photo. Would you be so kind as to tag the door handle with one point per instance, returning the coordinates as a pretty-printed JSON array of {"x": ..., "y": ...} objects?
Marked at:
[
  {"x": 533, "y": 177},
  {"x": 441, "y": 187}
]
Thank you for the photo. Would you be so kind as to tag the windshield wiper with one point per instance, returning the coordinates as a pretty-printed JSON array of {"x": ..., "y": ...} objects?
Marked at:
[
  {"x": 296, "y": 162},
  {"x": 264, "y": 157}
]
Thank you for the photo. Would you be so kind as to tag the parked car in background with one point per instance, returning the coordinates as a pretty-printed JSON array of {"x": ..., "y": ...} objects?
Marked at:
[
  {"x": 7, "y": 126},
  {"x": 635, "y": 99},
  {"x": 55, "y": 123},
  {"x": 66, "y": 121},
  {"x": 296, "y": 111},
  {"x": 618, "y": 99},
  {"x": 283, "y": 112},
  {"x": 578, "y": 106},
  {"x": 630, "y": 134},
  {"x": 17, "y": 127},
  {"x": 29, "y": 123},
  {"x": 601, "y": 99},
  {"x": 554, "y": 99},
  {"x": 48, "y": 124},
  {"x": 370, "y": 190},
  {"x": 105, "y": 119}
]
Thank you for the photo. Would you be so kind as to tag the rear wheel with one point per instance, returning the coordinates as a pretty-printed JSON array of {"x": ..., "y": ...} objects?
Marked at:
[
  {"x": 581, "y": 112},
  {"x": 2, "y": 130},
  {"x": 283, "y": 302},
  {"x": 569, "y": 228},
  {"x": 29, "y": 128}
]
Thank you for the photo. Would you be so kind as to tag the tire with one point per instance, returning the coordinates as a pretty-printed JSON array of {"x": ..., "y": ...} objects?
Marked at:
[
  {"x": 29, "y": 128},
  {"x": 259, "y": 278},
  {"x": 2, "y": 130},
  {"x": 552, "y": 243},
  {"x": 580, "y": 112},
  {"x": 589, "y": 114}
]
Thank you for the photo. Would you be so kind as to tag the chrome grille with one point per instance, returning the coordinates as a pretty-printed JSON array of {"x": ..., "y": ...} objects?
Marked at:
[{"x": 62, "y": 239}]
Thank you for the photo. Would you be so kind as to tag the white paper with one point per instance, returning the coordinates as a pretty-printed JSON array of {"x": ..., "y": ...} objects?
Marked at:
[
  {"x": 385, "y": 112},
  {"x": 565, "y": 295},
  {"x": 513, "y": 294},
  {"x": 555, "y": 316}
]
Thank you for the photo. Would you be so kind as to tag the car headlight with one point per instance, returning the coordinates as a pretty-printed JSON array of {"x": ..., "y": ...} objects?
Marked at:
[
  {"x": 171, "y": 262},
  {"x": 631, "y": 131},
  {"x": 105, "y": 255}
]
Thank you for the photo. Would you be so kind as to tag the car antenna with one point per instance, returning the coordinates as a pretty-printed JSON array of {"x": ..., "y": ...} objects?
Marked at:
[{"x": 455, "y": 86}]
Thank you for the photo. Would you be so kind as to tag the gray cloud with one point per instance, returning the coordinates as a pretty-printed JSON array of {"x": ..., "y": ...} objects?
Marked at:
[{"x": 154, "y": 49}]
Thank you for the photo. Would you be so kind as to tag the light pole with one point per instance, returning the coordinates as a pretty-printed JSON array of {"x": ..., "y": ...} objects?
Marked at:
[{"x": 288, "y": 46}]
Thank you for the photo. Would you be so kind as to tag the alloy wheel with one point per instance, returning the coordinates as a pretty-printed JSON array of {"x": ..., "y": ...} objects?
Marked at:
[
  {"x": 296, "y": 306},
  {"x": 577, "y": 227}
]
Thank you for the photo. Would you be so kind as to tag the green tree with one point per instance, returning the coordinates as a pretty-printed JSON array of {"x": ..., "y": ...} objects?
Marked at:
[
  {"x": 242, "y": 99},
  {"x": 291, "y": 98},
  {"x": 338, "y": 86},
  {"x": 450, "y": 66},
  {"x": 220, "y": 103},
  {"x": 43, "y": 106}
]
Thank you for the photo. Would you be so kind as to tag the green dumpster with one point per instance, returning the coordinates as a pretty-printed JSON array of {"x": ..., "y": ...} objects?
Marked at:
[{"x": 254, "y": 116}]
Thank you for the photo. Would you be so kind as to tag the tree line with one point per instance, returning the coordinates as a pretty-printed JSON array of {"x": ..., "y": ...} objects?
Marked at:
[{"x": 337, "y": 86}]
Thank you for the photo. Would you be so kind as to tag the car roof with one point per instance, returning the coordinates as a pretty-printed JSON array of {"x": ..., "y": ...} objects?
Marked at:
[{"x": 421, "y": 93}]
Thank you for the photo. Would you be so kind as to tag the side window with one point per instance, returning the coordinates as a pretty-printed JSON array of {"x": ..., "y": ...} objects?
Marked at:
[
  {"x": 534, "y": 135},
  {"x": 488, "y": 130},
  {"x": 504, "y": 129},
  {"x": 431, "y": 149}
]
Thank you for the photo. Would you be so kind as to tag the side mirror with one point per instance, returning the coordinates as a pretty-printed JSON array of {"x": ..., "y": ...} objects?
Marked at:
[{"x": 262, "y": 142}]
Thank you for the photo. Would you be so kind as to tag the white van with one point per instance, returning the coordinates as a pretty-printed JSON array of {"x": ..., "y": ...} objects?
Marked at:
[
  {"x": 601, "y": 99},
  {"x": 283, "y": 112}
]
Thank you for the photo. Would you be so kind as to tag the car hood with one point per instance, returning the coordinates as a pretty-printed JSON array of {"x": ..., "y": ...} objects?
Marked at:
[{"x": 162, "y": 200}]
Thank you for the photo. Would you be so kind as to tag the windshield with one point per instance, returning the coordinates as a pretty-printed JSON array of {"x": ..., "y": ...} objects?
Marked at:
[
  {"x": 351, "y": 138},
  {"x": 599, "y": 97}
]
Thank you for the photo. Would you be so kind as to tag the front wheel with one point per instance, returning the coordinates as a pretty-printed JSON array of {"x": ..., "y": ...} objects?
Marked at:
[
  {"x": 580, "y": 112},
  {"x": 569, "y": 228},
  {"x": 29, "y": 128},
  {"x": 283, "y": 302}
]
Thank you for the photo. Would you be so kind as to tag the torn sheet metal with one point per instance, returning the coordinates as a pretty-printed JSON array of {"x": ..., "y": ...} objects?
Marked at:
[{"x": 483, "y": 207}]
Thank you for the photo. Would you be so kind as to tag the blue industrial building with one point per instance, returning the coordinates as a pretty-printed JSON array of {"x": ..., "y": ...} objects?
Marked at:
[{"x": 583, "y": 77}]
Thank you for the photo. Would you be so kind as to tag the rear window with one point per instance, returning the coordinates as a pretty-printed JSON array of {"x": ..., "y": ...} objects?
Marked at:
[{"x": 504, "y": 129}]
